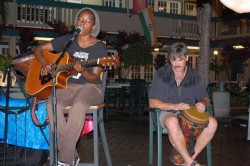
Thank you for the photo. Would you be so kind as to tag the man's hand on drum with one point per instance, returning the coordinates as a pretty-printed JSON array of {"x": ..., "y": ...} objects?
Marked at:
[
  {"x": 182, "y": 106},
  {"x": 200, "y": 107}
]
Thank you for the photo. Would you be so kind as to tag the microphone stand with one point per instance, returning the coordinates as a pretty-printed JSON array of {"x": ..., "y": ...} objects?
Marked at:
[
  {"x": 47, "y": 78},
  {"x": 7, "y": 75}
]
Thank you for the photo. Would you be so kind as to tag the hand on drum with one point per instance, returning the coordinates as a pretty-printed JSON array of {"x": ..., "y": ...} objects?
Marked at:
[
  {"x": 200, "y": 107},
  {"x": 182, "y": 106}
]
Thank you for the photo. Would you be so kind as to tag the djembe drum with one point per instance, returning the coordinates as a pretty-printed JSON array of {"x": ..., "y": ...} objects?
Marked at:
[
  {"x": 192, "y": 123},
  {"x": 22, "y": 63}
]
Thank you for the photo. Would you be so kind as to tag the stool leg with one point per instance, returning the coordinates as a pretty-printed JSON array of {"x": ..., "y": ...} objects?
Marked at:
[
  {"x": 159, "y": 139},
  {"x": 104, "y": 140},
  {"x": 151, "y": 138},
  {"x": 51, "y": 147},
  {"x": 96, "y": 157},
  {"x": 209, "y": 155}
]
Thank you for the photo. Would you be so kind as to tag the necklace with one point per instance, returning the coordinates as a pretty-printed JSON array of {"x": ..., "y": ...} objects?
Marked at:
[{"x": 179, "y": 77}]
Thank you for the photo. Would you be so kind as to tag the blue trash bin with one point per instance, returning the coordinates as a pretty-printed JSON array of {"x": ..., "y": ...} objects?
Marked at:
[{"x": 222, "y": 86}]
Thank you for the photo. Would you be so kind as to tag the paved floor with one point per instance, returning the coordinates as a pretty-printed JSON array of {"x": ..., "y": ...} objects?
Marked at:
[{"x": 128, "y": 143}]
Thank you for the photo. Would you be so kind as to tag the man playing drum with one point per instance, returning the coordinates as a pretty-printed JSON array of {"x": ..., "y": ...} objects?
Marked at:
[{"x": 177, "y": 87}]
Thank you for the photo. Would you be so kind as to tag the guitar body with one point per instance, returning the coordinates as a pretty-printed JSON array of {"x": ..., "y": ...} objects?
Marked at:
[
  {"x": 33, "y": 84},
  {"x": 41, "y": 88}
]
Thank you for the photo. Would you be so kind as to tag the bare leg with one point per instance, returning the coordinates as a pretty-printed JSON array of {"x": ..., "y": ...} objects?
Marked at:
[
  {"x": 205, "y": 137},
  {"x": 177, "y": 139}
]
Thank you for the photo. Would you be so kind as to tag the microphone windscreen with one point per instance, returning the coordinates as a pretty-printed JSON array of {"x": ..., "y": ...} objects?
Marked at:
[{"x": 79, "y": 29}]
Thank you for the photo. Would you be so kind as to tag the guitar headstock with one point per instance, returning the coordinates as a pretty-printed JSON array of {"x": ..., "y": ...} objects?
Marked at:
[{"x": 109, "y": 61}]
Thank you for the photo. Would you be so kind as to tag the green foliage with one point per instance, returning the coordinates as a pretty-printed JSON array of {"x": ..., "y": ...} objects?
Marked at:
[
  {"x": 4, "y": 62},
  {"x": 3, "y": 15},
  {"x": 26, "y": 41},
  {"x": 216, "y": 66},
  {"x": 137, "y": 54},
  {"x": 238, "y": 97},
  {"x": 122, "y": 39},
  {"x": 60, "y": 27}
]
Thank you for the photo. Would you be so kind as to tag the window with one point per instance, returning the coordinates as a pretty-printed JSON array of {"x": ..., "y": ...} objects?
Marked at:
[
  {"x": 190, "y": 9},
  {"x": 148, "y": 73},
  {"x": 150, "y": 3},
  {"x": 74, "y": 1},
  {"x": 110, "y": 3},
  {"x": 4, "y": 49},
  {"x": 173, "y": 7},
  {"x": 162, "y": 6},
  {"x": 135, "y": 72},
  {"x": 35, "y": 14}
]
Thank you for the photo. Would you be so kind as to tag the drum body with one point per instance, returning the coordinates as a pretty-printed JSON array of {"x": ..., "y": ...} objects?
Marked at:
[
  {"x": 192, "y": 123},
  {"x": 3, "y": 81},
  {"x": 22, "y": 64}
]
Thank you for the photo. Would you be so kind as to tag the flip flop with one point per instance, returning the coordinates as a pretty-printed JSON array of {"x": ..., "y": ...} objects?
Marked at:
[{"x": 194, "y": 163}]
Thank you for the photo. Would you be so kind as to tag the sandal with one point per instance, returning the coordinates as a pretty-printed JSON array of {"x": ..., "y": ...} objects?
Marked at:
[
  {"x": 194, "y": 163},
  {"x": 175, "y": 158}
]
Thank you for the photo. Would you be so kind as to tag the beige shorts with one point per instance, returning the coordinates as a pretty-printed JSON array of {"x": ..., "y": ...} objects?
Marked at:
[{"x": 165, "y": 114}]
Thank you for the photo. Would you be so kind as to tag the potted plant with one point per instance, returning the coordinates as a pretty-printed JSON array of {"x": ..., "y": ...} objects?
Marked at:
[
  {"x": 220, "y": 97},
  {"x": 5, "y": 62},
  {"x": 217, "y": 67},
  {"x": 135, "y": 54}
]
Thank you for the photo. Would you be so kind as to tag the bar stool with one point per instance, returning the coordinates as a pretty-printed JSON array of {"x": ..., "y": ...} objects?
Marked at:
[
  {"x": 97, "y": 113},
  {"x": 155, "y": 125}
]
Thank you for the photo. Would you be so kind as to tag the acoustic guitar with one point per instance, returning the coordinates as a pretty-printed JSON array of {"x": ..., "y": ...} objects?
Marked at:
[{"x": 40, "y": 85}]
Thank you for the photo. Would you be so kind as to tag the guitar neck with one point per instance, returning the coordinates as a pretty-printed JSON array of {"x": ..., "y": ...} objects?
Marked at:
[{"x": 70, "y": 66}]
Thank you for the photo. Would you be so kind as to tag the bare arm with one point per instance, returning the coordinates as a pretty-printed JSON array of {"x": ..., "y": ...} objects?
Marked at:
[
  {"x": 90, "y": 76},
  {"x": 155, "y": 103}
]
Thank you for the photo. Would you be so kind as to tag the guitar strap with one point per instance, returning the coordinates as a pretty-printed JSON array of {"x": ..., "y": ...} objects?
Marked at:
[{"x": 33, "y": 115}]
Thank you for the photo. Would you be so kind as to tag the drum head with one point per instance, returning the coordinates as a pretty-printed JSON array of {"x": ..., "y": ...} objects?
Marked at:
[
  {"x": 194, "y": 116},
  {"x": 23, "y": 64}
]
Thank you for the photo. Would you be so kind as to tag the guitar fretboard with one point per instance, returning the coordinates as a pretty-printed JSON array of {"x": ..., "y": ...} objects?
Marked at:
[{"x": 70, "y": 66}]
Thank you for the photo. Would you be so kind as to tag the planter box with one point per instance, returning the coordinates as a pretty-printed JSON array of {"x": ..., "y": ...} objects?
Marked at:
[{"x": 221, "y": 102}]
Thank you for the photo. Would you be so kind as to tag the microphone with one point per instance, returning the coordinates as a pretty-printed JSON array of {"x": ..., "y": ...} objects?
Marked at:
[{"x": 77, "y": 31}]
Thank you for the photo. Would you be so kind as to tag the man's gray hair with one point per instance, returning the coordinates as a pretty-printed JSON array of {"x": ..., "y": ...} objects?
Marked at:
[{"x": 177, "y": 50}]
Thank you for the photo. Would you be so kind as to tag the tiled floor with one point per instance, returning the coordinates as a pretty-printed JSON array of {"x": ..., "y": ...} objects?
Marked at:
[{"x": 128, "y": 143}]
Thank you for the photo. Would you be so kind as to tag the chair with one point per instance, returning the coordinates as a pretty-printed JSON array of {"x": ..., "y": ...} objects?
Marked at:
[
  {"x": 123, "y": 94},
  {"x": 138, "y": 96},
  {"x": 154, "y": 125},
  {"x": 97, "y": 113}
]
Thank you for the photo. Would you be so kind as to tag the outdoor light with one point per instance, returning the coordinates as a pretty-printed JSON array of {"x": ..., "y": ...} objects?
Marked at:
[
  {"x": 156, "y": 49},
  {"x": 239, "y": 6},
  {"x": 193, "y": 47},
  {"x": 43, "y": 38},
  {"x": 238, "y": 47},
  {"x": 216, "y": 52}
]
